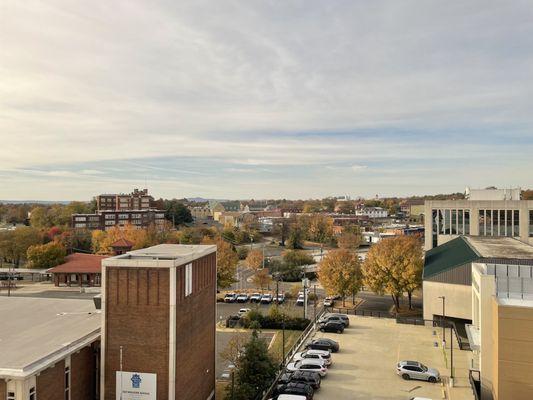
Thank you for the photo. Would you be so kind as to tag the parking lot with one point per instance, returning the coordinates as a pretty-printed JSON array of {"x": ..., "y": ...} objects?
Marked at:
[{"x": 365, "y": 366}]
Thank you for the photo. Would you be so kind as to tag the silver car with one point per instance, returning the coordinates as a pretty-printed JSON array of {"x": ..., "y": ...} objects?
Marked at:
[{"x": 415, "y": 370}]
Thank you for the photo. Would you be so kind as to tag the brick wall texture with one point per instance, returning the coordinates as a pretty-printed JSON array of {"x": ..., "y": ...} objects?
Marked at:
[
  {"x": 82, "y": 375},
  {"x": 3, "y": 390},
  {"x": 51, "y": 383}
]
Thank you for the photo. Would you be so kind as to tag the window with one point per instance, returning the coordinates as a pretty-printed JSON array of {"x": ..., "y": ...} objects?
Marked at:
[
  {"x": 530, "y": 223},
  {"x": 508, "y": 223},
  {"x": 10, "y": 395},
  {"x": 467, "y": 222},
  {"x": 80, "y": 218},
  {"x": 110, "y": 216},
  {"x": 188, "y": 279},
  {"x": 80, "y": 225},
  {"x": 482, "y": 222},
  {"x": 110, "y": 223},
  {"x": 67, "y": 383},
  {"x": 32, "y": 394},
  {"x": 516, "y": 222},
  {"x": 123, "y": 216}
]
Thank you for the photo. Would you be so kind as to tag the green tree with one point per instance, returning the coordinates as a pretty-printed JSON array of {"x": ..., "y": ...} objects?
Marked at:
[
  {"x": 394, "y": 266},
  {"x": 255, "y": 372},
  {"x": 46, "y": 255},
  {"x": 295, "y": 238},
  {"x": 177, "y": 212},
  {"x": 297, "y": 258}
]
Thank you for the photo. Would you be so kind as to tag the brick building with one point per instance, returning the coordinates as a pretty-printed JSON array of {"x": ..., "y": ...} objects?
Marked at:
[
  {"x": 158, "y": 321},
  {"x": 49, "y": 349},
  {"x": 136, "y": 208},
  {"x": 78, "y": 270}
]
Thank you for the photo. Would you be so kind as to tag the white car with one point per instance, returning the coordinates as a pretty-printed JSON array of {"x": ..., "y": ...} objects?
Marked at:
[
  {"x": 322, "y": 355},
  {"x": 243, "y": 311},
  {"x": 242, "y": 298},
  {"x": 300, "y": 301},
  {"x": 266, "y": 298},
  {"x": 230, "y": 298},
  {"x": 308, "y": 365},
  {"x": 290, "y": 397},
  {"x": 280, "y": 298},
  {"x": 255, "y": 297}
]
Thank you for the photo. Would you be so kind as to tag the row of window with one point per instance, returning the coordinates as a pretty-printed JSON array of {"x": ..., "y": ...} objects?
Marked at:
[
  {"x": 11, "y": 395},
  {"x": 499, "y": 222},
  {"x": 530, "y": 223},
  {"x": 451, "y": 222}
]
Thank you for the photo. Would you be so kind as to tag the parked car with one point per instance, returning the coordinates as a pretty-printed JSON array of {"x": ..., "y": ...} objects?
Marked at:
[
  {"x": 266, "y": 298},
  {"x": 297, "y": 388},
  {"x": 308, "y": 365},
  {"x": 419, "y": 398},
  {"x": 243, "y": 311},
  {"x": 323, "y": 344},
  {"x": 416, "y": 370},
  {"x": 311, "y": 378},
  {"x": 300, "y": 301},
  {"x": 280, "y": 298},
  {"x": 328, "y": 302},
  {"x": 331, "y": 326},
  {"x": 324, "y": 355},
  {"x": 342, "y": 318},
  {"x": 242, "y": 298},
  {"x": 230, "y": 298},
  {"x": 255, "y": 297}
]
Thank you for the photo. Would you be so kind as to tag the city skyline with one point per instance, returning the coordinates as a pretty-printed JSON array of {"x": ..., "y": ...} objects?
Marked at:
[{"x": 258, "y": 100}]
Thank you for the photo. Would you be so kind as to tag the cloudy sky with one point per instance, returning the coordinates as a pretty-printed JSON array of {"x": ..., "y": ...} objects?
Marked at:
[{"x": 255, "y": 99}]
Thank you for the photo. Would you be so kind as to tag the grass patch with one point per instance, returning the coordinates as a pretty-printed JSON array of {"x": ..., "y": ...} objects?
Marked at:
[{"x": 277, "y": 346}]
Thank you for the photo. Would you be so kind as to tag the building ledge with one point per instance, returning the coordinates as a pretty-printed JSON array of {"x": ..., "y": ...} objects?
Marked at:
[{"x": 474, "y": 337}]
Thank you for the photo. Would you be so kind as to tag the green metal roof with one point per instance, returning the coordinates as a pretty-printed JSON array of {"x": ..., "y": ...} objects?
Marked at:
[{"x": 448, "y": 256}]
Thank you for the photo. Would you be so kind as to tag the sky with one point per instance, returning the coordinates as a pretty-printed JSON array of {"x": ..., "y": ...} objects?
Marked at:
[{"x": 264, "y": 99}]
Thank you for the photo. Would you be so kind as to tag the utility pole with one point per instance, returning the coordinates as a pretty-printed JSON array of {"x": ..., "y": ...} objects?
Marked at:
[
  {"x": 304, "y": 281},
  {"x": 9, "y": 281},
  {"x": 451, "y": 355},
  {"x": 314, "y": 290}
]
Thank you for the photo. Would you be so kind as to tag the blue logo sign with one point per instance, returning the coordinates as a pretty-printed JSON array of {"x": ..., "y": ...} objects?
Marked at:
[{"x": 136, "y": 381}]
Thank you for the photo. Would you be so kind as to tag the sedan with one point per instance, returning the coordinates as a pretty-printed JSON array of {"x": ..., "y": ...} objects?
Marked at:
[
  {"x": 242, "y": 298},
  {"x": 230, "y": 298},
  {"x": 323, "y": 344},
  {"x": 341, "y": 318},
  {"x": 331, "y": 326},
  {"x": 323, "y": 355},
  {"x": 416, "y": 370},
  {"x": 308, "y": 365}
]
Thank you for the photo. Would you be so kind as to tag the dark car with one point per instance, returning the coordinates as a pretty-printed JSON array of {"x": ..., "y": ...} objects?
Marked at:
[
  {"x": 297, "y": 388},
  {"x": 323, "y": 344},
  {"x": 332, "y": 326},
  {"x": 14, "y": 276},
  {"x": 311, "y": 378},
  {"x": 342, "y": 318}
]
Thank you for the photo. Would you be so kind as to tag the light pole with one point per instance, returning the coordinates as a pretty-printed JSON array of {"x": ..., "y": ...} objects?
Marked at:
[
  {"x": 451, "y": 355},
  {"x": 442, "y": 320}
]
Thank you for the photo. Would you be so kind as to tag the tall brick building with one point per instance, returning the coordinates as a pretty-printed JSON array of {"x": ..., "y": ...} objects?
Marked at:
[{"x": 158, "y": 320}]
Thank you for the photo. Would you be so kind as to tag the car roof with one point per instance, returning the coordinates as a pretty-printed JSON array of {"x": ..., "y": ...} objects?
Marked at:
[
  {"x": 310, "y": 361},
  {"x": 410, "y": 363},
  {"x": 291, "y": 397}
]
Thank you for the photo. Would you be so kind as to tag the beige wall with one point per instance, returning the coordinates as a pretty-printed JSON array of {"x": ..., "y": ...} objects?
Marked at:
[
  {"x": 512, "y": 352},
  {"x": 474, "y": 206},
  {"x": 458, "y": 299}
]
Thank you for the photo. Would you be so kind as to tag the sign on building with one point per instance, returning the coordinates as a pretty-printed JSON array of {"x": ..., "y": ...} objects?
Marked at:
[{"x": 136, "y": 386}]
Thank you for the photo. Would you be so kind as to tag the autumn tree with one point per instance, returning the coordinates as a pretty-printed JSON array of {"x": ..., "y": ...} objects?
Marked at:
[
  {"x": 349, "y": 240},
  {"x": 319, "y": 228},
  {"x": 233, "y": 350},
  {"x": 46, "y": 255},
  {"x": 394, "y": 266},
  {"x": 261, "y": 278},
  {"x": 227, "y": 260},
  {"x": 15, "y": 244},
  {"x": 295, "y": 237},
  {"x": 254, "y": 260},
  {"x": 340, "y": 273}
]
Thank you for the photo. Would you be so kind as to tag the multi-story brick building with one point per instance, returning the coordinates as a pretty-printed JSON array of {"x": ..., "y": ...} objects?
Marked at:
[
  {"x": 158, "y": 322},
  {"x": 136, "y": 208}
]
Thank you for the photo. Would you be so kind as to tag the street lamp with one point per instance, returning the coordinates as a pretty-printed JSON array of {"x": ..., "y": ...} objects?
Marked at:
[
  {"x": 442, "y": 320},
  {"x": 232, "y": 372}
]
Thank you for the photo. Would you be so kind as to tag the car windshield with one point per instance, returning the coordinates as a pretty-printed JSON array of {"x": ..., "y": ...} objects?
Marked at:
[{"x": 424, "y": 368}]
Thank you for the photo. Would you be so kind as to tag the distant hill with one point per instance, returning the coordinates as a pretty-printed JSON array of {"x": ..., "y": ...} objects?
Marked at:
[{"x": 45, "y": 202}]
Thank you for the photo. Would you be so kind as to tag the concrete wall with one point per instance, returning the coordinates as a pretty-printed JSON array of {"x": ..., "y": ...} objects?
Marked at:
[
  {"x": 51, "y": 383},
  {"x": 474, "y": 206},
  {"x": 513, "y": 352},
  {"x": 458, "y": 300}
]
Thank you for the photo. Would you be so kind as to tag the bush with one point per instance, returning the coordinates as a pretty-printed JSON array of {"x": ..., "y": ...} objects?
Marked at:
[
  {"x": 242, "y": 252},
  {"x": 274, "y": 320}
]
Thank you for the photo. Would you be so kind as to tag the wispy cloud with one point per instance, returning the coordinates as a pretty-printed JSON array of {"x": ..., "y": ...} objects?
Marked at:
[{"x": 207, "y": 95}]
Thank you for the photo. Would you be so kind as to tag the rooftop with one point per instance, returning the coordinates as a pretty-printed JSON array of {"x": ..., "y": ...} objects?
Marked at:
[
  {"x": 80, "y": 263},
  {"x": 500, "y": 247},
  {"x": 162, "y": 255},
  {"x": 43, "y": 331}
]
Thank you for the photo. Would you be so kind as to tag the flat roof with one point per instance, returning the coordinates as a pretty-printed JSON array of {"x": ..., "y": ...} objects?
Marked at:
[
  {"x": 162, "y": 255},
  {"x": 500, "y": 247},
  {"x": 37, "y": 332}
]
